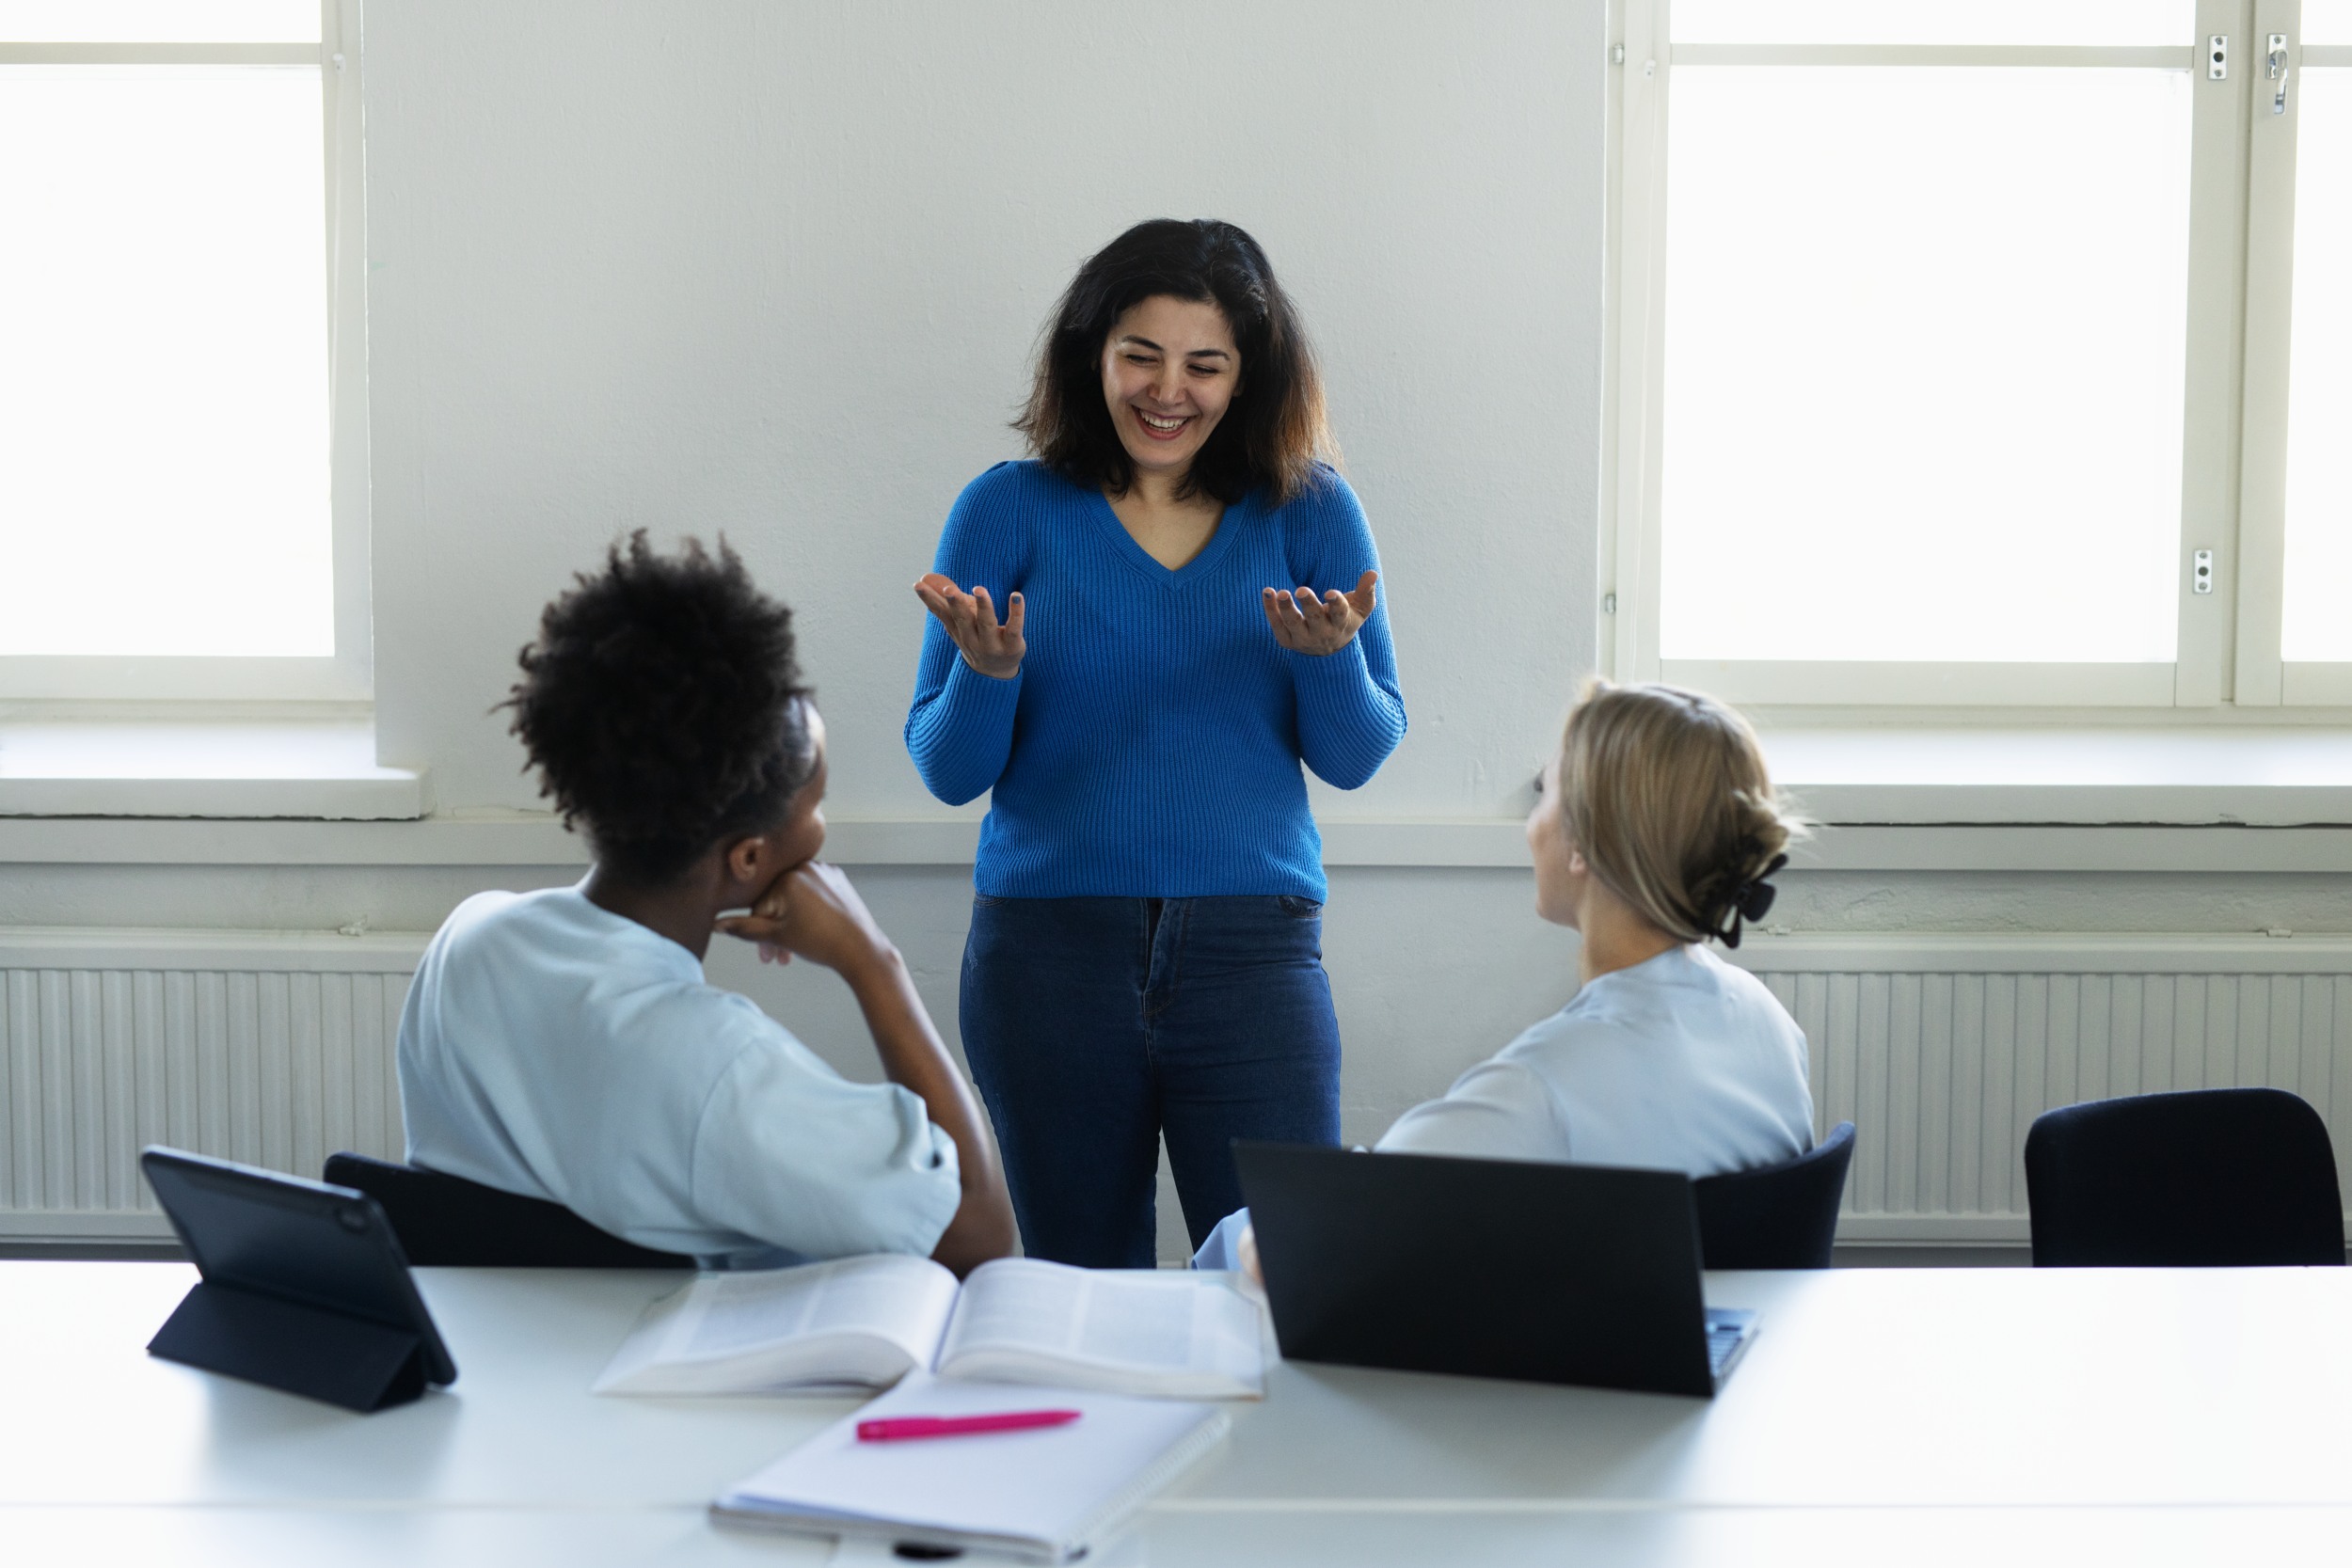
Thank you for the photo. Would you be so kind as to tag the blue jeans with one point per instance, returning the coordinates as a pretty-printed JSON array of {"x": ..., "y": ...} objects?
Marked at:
[{"x": 1096, "y": 1025}]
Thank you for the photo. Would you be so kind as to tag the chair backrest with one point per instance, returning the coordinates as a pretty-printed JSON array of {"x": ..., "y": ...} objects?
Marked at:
[
  {"x": 445, "y": 1221},
  {"x": 2204, "y": 1178},
  {"x": 1781, "y": 1216}
]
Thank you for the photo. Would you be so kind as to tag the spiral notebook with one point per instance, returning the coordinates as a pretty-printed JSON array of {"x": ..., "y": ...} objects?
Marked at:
[{"x": 1049, "y": 1494}]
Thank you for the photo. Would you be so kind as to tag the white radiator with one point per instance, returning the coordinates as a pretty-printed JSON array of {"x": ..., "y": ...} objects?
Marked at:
[
  {"x": 271, "y": 1048},
  {"x": 277, "y": 1049},
  {"x": 1942, "y": 1049}
]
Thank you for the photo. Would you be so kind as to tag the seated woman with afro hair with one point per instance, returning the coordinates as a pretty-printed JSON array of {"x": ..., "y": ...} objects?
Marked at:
[{"x": 563, "y": 1044}]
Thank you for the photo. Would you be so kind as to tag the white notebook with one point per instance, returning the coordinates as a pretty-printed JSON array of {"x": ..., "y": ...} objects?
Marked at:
[
  {"x": 1051, "y": 1493},
  {"x": 864, "y": 1322}
]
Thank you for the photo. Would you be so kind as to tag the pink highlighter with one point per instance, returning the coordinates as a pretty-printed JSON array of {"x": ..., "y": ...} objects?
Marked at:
[{"x": 899, "y": 1428}]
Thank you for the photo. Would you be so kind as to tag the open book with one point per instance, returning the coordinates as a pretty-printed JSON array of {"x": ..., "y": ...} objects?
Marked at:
[{"x": 864, "y": 1322}]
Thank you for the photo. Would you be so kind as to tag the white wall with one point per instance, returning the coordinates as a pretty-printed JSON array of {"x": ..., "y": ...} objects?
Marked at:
[{"x": 777, "y": 269}]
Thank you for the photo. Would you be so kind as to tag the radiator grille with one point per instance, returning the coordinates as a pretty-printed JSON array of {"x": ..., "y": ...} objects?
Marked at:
[
  {"x": 1943, "y": 1050},
  {"x": 268, "y": 1048},
  {"x": 277, "y": 1049}
]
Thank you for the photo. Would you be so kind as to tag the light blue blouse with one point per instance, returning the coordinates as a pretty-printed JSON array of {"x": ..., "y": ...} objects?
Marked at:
[
  {"x": 1682, "y": 1062},
  {"x": 552, "y": 1048}
]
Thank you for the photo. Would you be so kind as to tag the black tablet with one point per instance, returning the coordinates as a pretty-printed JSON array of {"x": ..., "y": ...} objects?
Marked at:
[{"x": 279, "y": 1253}]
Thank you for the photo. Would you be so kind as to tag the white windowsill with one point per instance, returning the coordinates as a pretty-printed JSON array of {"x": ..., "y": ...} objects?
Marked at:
[
  {"x": 532, "y": 839},
  {"x": 2271, "y": 778},
  {"x": 323, "y": 768},
  {"x": 1985, "y": 800}
]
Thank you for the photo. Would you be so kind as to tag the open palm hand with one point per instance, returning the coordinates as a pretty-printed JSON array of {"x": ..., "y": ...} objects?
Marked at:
[
  {"x": 1306, "y": 624},
  {"x": 995, "y": 649}
]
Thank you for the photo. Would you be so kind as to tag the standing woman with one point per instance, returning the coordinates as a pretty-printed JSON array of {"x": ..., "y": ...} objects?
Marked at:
[{"x": 1189, "y": 613}]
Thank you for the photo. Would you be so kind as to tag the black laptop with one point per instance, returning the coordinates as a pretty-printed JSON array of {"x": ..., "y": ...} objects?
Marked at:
[{"x": 1489, "y": 1268}]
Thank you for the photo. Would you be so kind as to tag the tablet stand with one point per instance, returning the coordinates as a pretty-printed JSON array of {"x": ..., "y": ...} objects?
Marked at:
[{"x": 353, "y": 1362}]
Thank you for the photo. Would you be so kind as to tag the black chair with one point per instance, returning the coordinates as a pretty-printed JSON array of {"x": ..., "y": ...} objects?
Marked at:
[
  {"x": 2206, "y": 1178},
  {"x": 447, "y": 1221},
  {"x": 1781, "y": 1216}
]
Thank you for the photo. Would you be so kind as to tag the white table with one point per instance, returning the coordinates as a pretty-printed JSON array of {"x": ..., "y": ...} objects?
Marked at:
[{"x": 1921, "y": 1416}]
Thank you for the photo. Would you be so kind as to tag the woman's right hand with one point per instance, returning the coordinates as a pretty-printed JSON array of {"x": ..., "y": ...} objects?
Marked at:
[
  {"x": 813, "y": 912},
  {"x": 993, "y": 649}
]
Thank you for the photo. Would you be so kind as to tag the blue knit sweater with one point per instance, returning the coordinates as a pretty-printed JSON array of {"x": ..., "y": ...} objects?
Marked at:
[{"x": 1149, "y": 746}]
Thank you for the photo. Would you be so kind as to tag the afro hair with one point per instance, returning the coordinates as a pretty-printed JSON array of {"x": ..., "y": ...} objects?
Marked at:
[{"x": 664, "y": 708}]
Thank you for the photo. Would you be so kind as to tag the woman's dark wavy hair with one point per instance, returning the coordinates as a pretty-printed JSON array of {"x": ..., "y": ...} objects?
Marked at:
[
  {"x": 664, "y": 708},
  {"x": 1276, "y": 427}
]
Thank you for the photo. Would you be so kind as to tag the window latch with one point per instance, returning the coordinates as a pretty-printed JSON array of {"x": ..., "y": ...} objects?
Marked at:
[
  {"x": 2279, "y": 71},
  {"x": 2217, "y": 57}
]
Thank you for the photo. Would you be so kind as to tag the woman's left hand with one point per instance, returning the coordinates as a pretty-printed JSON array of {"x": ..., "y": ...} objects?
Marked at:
[{"x": 1306, "y": 625}]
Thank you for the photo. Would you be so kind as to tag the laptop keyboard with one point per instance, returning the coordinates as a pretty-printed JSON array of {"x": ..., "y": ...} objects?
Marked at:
[{"x": 1722, "y": 1337}]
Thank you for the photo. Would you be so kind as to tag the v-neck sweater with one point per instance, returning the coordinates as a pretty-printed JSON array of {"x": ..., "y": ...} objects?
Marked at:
[{"x": 1150, "y": 744}]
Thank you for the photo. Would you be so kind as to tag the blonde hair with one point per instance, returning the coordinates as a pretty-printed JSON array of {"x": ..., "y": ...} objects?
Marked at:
[{"x": 1667, "y": 793}]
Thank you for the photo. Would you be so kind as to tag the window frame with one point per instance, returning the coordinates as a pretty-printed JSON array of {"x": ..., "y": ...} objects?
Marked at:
[
  {"x": 2241, "y": 238},
  {"x": 2265, "y": 678},
  {"x": 349, "y": 674}
]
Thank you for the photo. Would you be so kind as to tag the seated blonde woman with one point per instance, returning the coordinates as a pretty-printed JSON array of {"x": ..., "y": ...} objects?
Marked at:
[{"x": 1655, "y": 833}]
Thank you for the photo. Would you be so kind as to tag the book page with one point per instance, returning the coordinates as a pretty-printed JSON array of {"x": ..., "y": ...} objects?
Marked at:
[
  {"x": 896, "y": 1298},
  {"x": 736, "y": 1332},
  {"x": 1158, "y": 1331}
]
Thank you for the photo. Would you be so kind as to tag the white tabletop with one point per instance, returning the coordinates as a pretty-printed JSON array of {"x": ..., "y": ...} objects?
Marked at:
[{"x": 1936, "y": 1414}]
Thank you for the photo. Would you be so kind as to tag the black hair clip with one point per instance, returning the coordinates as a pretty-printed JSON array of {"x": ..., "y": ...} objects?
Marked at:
[{"x": 1751, "y": 901}]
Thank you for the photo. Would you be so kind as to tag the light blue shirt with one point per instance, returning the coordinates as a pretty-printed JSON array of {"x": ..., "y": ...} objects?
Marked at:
[
  {"x": 555, "y": 1049},
  {"x": 1681, "y": 1062}
]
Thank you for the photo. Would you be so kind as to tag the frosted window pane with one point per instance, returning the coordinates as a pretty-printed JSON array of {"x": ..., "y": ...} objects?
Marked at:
[
  {"x": 1925, "y": 333},
  {"x": 2318, "y": 611},
  {"x": 2044, "y": 22},
  {"x": 159, "y": 21},
  {"x": 2327, "y": 21},
  {"x": 163, "y": 396}
]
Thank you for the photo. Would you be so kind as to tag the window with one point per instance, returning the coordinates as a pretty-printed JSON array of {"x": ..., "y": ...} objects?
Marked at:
[
  {"x": 1941, "y": 372},
  {"x": 2313, "y": 235},
  {"x": 182, "y": 397}
]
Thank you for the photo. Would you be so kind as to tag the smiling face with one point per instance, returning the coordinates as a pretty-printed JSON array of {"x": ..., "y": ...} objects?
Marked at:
[{"x": 1170, "y": 372}]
